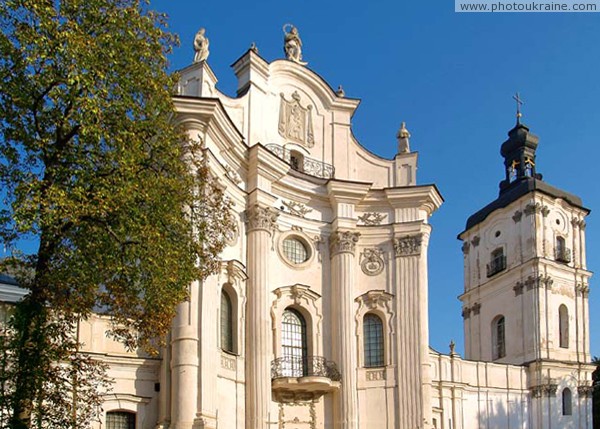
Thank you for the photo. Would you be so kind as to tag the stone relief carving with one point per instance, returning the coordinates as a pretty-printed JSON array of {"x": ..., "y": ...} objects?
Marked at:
[
  {"x": 371, "y": 261},
  {"x": 517, "y": 216},
  {"x": 585, "y": 389},
  {"x": 343, "y": 242},
  {"x": 295, "y": 121},
  {"x": 518, "y": 288},
  {"x": 261, "y": 217},
  {"x": 578, "y": 223},
  {"x": 371, "y": 218},
  {"x": 201, "y": 46},
  {"x": 232, "y": 235},
  {"x": 475, "y": 241},
  {"x": 375, "y": 375},
  {"x": 475, "y": 308},
  {"x": 233, "y": 175},
  {"x": 297, "y": 209},
  {"x": 533, "y": 208},
  {"x": 228, "y": 363},
  {"x": 318, "y": 242},
  {"x": 465, "y": 248},
  {"x": 297, "y": 400},
  {"x": 582, "y": 289},
  {"x": 409, "y": 245},
  {"x": 535, "y": 282},
  {"x": 466, "y": 312}
]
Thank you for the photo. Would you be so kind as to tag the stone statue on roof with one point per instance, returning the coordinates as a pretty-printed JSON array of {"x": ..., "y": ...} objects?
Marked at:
[
  {"x": 292, "y": 44},
  {"x": 201, "y": 44}
]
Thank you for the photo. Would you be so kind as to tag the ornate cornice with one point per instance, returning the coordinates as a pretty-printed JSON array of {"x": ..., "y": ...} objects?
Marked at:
[
  {"x": 409, "y": 245},
  {"x": 343, "y": 242},
  {"x": 262, "y": 218}
]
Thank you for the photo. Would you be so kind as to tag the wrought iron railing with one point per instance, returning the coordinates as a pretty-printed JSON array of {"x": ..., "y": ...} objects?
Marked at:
[
  {"x": 305, "y": 164},
  {"x": 496, "y": 265},
  {"x": 304, "y": 366},
  {"x": 563, "y": 255}
]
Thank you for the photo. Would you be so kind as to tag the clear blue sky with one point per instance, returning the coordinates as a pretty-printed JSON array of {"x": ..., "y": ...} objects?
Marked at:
[{"x": 451, "y": 77}]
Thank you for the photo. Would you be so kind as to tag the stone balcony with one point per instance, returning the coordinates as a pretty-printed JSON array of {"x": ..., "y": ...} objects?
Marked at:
[
  {"x": 304, "y": 164},
  {"x": 303, "y": 378}
]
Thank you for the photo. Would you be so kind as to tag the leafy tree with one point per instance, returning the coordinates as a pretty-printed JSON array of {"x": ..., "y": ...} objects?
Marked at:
[
  {"x": 93, "y": 169},
  {"x": 596, "y": 392}
]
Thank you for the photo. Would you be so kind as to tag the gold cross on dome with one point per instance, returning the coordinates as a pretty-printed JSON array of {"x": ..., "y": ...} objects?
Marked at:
[{"x": 519, "y": 101}]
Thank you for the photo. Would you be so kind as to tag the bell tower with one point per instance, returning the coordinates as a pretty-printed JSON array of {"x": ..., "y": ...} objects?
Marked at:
[{"x": 525, "y": 299}]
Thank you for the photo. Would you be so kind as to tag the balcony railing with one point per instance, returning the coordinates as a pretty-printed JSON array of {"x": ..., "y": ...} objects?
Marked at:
[
  {"x": 563, "y": 255},
  {"x": 496, "y": 265},
  {"x": 306, "y": 165},
  {"x": 309, "y": 366}
]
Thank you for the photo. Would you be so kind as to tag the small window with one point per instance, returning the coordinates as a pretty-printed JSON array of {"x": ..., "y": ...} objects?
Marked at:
[
  {"x": 297, "y": 160},
  {"x": 497, "y": 262},
  {"x": 373, "y": 340},
  {"x": 567, "y": 402},
  {"x": 562, "y": 254},
  {"x": 120, "y": 420},
  {"x": 295, "y": 250},
  {"x": 226, "y": 323},
  {"x": 563, "y": 326},
  {"x": 498, "y": 338}
]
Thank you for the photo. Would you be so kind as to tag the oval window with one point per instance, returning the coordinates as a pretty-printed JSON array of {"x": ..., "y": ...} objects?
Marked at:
[{"x": 295, "y": 250}]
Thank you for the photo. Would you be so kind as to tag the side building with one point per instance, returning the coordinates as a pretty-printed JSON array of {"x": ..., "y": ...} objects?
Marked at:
[{"x": 525, "y": 307}]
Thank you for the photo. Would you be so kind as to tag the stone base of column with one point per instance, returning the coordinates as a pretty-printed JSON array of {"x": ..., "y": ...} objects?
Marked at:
[{"x": 204, "y": 421}]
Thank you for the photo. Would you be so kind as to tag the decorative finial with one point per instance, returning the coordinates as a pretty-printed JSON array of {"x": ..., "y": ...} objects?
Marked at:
[
  {"x": 519, "y": 104},
  {"x": 340, "y": 91},
  {"x": 201, "y": 46},
  {"x": 254, "y": 48},
  {"x": 403, "y": 142},
  {"x": 292, "y": 44},
  {"x": 452, "y": 347}
]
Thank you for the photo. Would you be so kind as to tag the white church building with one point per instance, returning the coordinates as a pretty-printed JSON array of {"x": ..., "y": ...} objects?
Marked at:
[{"x": 319, "y": 316}]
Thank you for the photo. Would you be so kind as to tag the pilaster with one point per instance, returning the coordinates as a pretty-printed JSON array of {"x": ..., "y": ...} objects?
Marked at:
[
  {"x": 343, "y": 265},
  {"x": 261, "y": 224}
]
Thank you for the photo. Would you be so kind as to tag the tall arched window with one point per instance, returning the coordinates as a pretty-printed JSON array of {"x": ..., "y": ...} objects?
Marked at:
[
  {"x": 226, "y": 323},
  {"x": 373, "y": 340},
  {"x": 498, "y": 338},
  {"x": 293, "y": 344},
  {"x": 563, "y": 326},
  {"x": 567, "y": 402},
  {"x": 120, "y": 420}
]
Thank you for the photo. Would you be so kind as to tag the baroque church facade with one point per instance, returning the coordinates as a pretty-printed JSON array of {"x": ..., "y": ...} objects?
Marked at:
[{"x": 319, "y": 315}]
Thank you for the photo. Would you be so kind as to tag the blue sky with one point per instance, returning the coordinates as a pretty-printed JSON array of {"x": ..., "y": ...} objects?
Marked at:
[{"x": 451, "y": 77}]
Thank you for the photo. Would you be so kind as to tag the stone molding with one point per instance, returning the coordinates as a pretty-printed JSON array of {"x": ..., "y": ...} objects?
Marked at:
[
  {"x": 409, "y": 245},
  {"x": 548, "y": 389},
  {"x": 533, "y": 208},
  {"x": 262, "y": 218},
  {"x": 578, "y": 223},
  {"x": 371, "y": 261},
  {"x": 585, "y": 389},
  {"x": 343, "y": 242},
  {"x": 582, "y": 289}
]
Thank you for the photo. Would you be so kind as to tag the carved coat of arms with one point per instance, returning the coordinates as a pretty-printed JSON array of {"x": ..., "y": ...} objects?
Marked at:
[{"x": 295, "y": 121}]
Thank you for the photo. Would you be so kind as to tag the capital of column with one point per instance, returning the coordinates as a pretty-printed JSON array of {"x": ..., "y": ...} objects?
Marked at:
[
  {"x": 262, "y": 218},
  {"x": 343, "y": 242},
  {"x": 409, "y": 245}
]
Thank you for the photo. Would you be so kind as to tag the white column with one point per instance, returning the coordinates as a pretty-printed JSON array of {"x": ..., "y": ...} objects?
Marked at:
[
  {"x": 411, "y": 363},
  {"x": 261, "y": 224},
  {"x": 209, "y": 355},
  {"x": 184, "y": 363},
  {"x": 343, "y": 265}
]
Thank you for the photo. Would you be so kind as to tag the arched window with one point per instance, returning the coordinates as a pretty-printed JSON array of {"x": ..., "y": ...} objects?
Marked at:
[
  {"x": 120, "y": 420},
  {"x": 498, "y": 338},
  {"x": 497, "y": 262},
  {"x": 567, "y": 402},
  {"x": 373, "y": 340},
  {"x": 226, "y": 323},
  {"x": 297, "y": 160},
  {"x": 293, "y": 344},
  {"x": 563, "y": 326}
]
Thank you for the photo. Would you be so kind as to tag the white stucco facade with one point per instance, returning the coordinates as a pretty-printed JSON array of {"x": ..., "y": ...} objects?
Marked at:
[{"x": 335, "y": 238}]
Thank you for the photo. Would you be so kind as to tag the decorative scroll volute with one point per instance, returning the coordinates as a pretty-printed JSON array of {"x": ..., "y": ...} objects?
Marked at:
[
  {"x": 343, "y": 242},
  {"x": 409, "y": 245},
  {"x": 262, "y": 218}
]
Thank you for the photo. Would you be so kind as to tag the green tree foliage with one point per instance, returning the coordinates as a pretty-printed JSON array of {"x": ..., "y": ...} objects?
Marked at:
[{"x": 93, "y": 169}]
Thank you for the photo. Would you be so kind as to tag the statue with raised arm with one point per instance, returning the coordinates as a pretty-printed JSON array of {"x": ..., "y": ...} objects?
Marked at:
[
  {"x": 201, "y": 46},
  {"x": 292, "y": 44}
]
